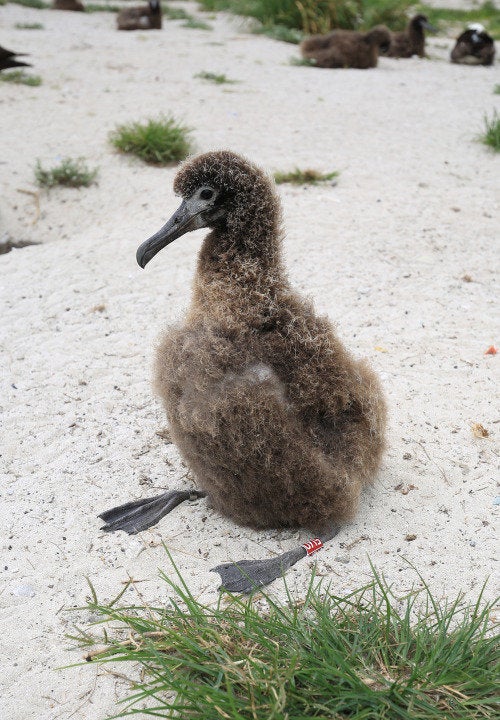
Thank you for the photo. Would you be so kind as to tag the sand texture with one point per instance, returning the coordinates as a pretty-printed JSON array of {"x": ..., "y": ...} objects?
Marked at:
[{"x": 401, "y": 253}]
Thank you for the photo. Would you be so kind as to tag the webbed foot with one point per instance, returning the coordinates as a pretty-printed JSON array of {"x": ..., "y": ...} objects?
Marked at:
[
  {"x": 246, "y": 576},
  {"x": 138, "y": 515}
]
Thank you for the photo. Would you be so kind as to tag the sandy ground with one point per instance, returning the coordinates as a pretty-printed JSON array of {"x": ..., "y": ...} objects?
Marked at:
[{"x": 384, "y": 253}]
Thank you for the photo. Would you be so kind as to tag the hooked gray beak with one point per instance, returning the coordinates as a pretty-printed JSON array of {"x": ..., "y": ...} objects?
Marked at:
[
  {"x": 430, "y": 27},
  {"x": 185, "y": 219}
]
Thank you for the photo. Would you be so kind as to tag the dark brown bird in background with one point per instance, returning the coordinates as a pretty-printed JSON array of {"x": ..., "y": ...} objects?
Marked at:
[
  {"x": 73, "y": 5},
  {"x": 412, "y": 40},
  {"x": 280, "y": 424},
  {"x": 8, "y": 59},
  {"x": 143, "y": 17},
  {"x": 346, "y": 48},
  {"x": 474, "y": 47}
]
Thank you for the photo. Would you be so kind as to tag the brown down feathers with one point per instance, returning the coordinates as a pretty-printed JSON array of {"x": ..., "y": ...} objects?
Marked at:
[
  {"x": 346, "y": 48},
  {"x": 278, "y": 422}
]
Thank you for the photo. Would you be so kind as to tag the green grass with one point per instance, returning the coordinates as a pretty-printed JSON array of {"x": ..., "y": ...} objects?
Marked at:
[
  {"x": 303, "y": 177},
  {"x": 21, "y": 77},
  {"x": 221, "y": 79},
  {"x": 496, "y": 89},
  {"x": 366, "y": 656},
  {"x": 158, "y": 142},
  {"x": 491, "y": 135},
  {"x": 317, "y": 16},
  {"x": 38, "y": 4},
  {"x": 195, "y": 24},
  {"x": 69, "y": 173},
  {"x": 173, "y": 13},
  {"x": 487, "y": 14},
  {"x": 280, "y": 32},
  {"x": 29, "y": 26},
  {"x": 99, "y": 7}
]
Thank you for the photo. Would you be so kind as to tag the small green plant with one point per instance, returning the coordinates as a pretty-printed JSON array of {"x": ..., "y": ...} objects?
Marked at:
[
  {"x": 195, "y": 24},
  {"x": 280, "y": 32},
  {"x": 215, "y": 78},
  {"x": 491, "y": 136},
  {"x": 173, "y": 13},
  {"x": 496, "y": 89},
  {"x": 37, "y": 4},
  {"x": 29, "y": 26},
  {"x": 98, "y": 7},
  {"x": 158, "y": 142},
  {"x": 443, "y": 17},
  {"x": 21, "y": 77},
  {"x": 303, "y": 177},
  {"x": 69, "y": 173},
  {"x": 369, "y": 655},
  {"x": 316, "y": 16}
]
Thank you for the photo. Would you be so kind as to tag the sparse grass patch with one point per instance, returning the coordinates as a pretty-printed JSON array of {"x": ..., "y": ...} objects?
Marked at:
[
  {"x": 280, "y": 32},
  {"x": 487, "y": 14},
  {"x": 99, "y": 7},
  {"x": 496, "y": 89},
  {"x": 158, "y": 142},
  {"x": 304, "y": 177},
  {"x": 21, "y": 77},
  {"x": 29, "y": 26},
  {"x": 491, "y": 136},
  {"x": 369, "y": 655},
  {"x": 173, "y": 13},
  {"x": 195, "y": 24},
  {"x": 221, "y": 79},
  {"x": 69, "y": 173},
  {"x": 38, "y": 4},
  {"x": 316, "y": 16}
]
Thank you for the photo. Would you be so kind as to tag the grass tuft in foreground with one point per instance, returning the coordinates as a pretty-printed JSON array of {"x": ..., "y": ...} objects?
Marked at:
[
  {"x": 69, "y": 173},
  {"x": 158, "y": 142},
  {"x": 304, "y": 177},
  {"x": 21, "y": 77},
  {"x": 491, "y": 136},
  {"x": 365, "y": 656},
  {"x": 220, "y": 79}
]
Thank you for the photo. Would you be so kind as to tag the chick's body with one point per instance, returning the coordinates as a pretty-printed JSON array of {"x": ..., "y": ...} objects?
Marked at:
[{"x": 279, "y": 423}]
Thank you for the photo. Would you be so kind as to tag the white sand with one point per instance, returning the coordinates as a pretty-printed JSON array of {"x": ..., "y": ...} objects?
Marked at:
[{"x": 383, "y": 253}]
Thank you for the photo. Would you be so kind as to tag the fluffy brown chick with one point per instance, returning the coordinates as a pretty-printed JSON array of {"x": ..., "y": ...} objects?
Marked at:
[
  {"x": 346, "y": 48},
  {"x": 280, "y": 425},
  {"x": 474, "y": 47},
  {"x": 142, "y": 17},
  {"x": 410, "y": 41}
]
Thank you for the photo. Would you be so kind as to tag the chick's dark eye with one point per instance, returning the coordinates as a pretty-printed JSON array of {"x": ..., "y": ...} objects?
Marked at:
[{"x": 206, "y": 194}]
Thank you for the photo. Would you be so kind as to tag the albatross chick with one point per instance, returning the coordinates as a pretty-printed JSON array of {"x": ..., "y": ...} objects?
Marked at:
[
  {"x": 474, "y": 47},
  {"x": 280, "y": 425},
  {"x": 347, "y": 48},
  {"x": 142, "y": 17},
  {"x": 411, "y": 41}
]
